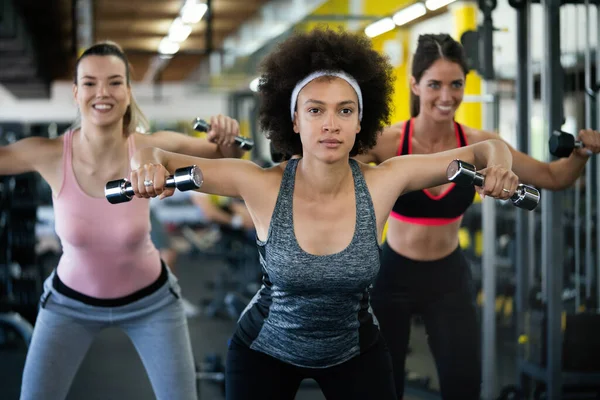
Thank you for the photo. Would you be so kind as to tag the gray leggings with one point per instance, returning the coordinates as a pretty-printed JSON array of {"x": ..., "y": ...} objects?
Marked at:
[{"x": 65, "y": 329}]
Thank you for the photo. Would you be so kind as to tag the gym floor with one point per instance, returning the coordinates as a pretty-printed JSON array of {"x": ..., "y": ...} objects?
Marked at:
[{"x": 112, "y": 369}]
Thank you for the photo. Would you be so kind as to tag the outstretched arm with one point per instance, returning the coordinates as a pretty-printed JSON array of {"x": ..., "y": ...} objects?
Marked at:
[
  {"x": 224, "y": 177},
  {"x": 554, "y": 175},
  {"x": 30, "y": 154},
  {"x": 219, "y": 142},
  {"x": 415, "y": 172}
]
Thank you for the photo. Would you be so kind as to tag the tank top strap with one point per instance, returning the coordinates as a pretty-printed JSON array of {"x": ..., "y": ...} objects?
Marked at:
[
  {"x": 67, "y": 162},
  {"x": 462, "y": 138},
  {"x": 282, "y": 217},
  {"x": 364, "y": 203},
  {"x": 405, "y": 147},
  {"x": 282, "y": 213}
]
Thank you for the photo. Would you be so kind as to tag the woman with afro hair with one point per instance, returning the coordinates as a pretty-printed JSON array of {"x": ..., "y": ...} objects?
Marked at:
[{"x": 325, "y": 97}]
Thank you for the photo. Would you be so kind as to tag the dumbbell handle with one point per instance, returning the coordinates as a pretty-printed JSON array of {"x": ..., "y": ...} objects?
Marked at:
[
  {"x": 463, "y": 173},
  {"x": 187, "y": 178},
  {"x": 201, "y": 125},
  {"x": 127, "y": 190}
]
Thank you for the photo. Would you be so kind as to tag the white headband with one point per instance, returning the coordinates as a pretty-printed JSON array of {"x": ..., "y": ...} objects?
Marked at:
[{"x": 317, "y": 74}]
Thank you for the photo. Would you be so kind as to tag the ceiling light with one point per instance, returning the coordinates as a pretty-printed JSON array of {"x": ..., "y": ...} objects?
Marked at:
[
  {"x": 193, "y": 11},
  {"x": 409, "y": 13},
  {"x": 379, "y": 27},
  {"x": 435, "y": 4},
  {"x": 179, "y": 31},
  {"x": 168, "y": 47}
]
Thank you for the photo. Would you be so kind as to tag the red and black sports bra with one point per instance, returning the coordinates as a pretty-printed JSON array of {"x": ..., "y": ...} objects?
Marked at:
[{"x": 422, "y": 207}]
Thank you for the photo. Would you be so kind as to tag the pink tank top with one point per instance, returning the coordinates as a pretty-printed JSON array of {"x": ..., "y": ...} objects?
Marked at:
[{"x": 107, "y": 250}]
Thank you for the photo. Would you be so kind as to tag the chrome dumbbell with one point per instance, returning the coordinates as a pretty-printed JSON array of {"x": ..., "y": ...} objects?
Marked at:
[
  {"x": 201, "y": 125},
  {"x": 186, "y": 178},
  {"x": 464, "y": 174}
]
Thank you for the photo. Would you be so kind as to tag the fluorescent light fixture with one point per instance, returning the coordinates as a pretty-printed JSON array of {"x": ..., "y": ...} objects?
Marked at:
[
  {"x": 168, "y": 47},
  {"x": 409, "y": 13},
  {"x": 193, "y": 11},
  {"x": 379, "y": 27},
  {"x": 179, "y": 31},
  {"x": 433, "y": 5},
  {"x": 254, "y": 84}
]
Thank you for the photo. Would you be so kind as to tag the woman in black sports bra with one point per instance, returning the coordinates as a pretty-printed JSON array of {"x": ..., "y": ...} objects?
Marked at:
[{"x": 422, "y": 268}]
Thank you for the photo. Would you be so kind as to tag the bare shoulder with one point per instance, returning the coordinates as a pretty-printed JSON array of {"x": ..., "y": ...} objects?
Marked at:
[
  {"x": 393, "y": 133},
  {"x": 389, "y": 141},
  {"x": 376, "y": 175},
  {"x": 40, "y": 154},
  {"x": 274, "y": 174},
  {"x": 396, "y": 129},
  {"x": 267, "y": 182},
  {"x": 145, "y": 139},
  {"x": 386, "y": 147},
  {"x": 256, "y": 183},
  {"x": 475, "y": 135},
  {"x": 41, "y": 150},
  {"x": 367, "y": 168},
  {"x": 47, "y": 144},
  {"x": 261, "y": 197}
]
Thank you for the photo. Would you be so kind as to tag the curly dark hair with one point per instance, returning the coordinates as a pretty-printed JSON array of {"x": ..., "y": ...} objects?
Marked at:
[{"x": 324, "y": 49}]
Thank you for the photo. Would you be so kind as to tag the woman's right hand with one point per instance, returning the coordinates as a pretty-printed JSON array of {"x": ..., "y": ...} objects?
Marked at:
[{"x": 149, "y": 181}]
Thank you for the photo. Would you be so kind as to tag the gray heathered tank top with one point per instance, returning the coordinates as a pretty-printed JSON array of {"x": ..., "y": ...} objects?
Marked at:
[{"x": 313, "y": 311}]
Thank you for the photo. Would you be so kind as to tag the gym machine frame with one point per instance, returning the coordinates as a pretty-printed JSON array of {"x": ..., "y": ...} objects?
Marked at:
[
  {"x": 552, "y": 232},
  {"x": 597, "y": 95},
  {"x": 480, "y": 49},
  {"x": 488, "y": 208}
]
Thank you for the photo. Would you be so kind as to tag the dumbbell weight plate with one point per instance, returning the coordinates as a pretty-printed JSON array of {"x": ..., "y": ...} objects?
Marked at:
[
  {"x": 463, "y": 174},
  {"x": 526, "y": 197},
  {"x": 561, "y": 145},
  {"x": 187, "y": 178}
]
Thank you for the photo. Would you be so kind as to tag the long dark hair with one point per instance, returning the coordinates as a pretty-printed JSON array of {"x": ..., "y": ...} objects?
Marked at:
[{"x": 431, "y": 48}]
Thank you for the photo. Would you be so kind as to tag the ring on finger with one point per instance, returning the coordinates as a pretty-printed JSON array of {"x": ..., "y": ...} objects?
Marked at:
[
  {"x": 506, "y": 190},
  {"x": 148, "y": 182}
]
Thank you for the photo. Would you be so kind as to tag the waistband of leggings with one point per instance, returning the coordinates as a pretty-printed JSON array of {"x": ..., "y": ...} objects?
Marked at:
[{"x": 63, "y": 289}]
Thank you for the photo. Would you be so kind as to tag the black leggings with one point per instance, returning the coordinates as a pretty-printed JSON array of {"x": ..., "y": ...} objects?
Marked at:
[
  {"x": 253, "y": 375},
  {"x": 441, "y": 291}
]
